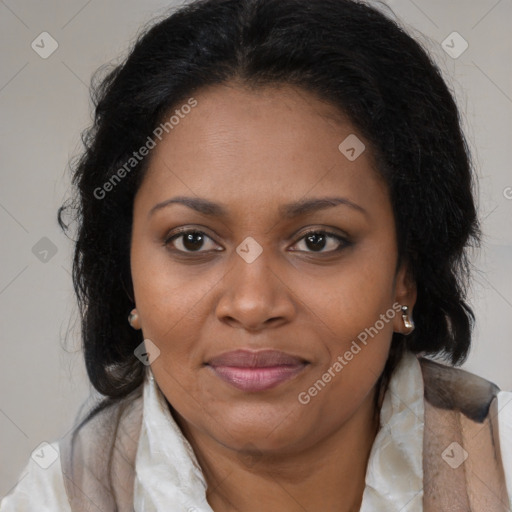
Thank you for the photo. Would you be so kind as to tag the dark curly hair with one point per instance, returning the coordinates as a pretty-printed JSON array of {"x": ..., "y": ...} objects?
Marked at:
[{"x": 344, "y": 52}]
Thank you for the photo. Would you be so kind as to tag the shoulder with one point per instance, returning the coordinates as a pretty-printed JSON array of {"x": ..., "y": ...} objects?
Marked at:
[
  {"x": 46, "y": 481},
  {"x": 40, "y": 486},
  {"x": 463, "y": 405},
  {"x": 451, "y": 388}
]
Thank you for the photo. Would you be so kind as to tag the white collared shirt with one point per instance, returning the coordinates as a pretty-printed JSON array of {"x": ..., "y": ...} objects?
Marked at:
[{"x": 167, "y": 471}]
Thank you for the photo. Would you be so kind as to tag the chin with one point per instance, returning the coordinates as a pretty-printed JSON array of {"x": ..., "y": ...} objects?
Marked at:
[{"x": 265, "y": 428}]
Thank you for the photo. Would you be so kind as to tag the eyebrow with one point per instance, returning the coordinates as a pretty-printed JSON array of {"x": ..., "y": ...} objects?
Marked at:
[{"x": 288, "y": 211}]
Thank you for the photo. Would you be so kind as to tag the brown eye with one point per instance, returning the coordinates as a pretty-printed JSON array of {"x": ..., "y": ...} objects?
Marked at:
[
  {"x": 190, "y": 240},
  {"x": 317, "y": 241}
]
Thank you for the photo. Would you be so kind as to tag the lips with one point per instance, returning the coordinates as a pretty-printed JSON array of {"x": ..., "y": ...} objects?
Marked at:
[
  {"x": 256, "y": 371},
  {"x": 261, "y": 359}
]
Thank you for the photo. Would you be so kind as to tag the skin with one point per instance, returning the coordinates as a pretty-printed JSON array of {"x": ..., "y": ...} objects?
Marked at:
[{"x": 253, "y": 151}]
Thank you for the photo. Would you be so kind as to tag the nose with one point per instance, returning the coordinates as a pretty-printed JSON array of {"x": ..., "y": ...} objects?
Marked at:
[{"x": 255, "y": 295}]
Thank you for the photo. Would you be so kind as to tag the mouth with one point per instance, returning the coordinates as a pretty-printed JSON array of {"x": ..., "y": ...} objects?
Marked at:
[{"x": 256, "y": 371}]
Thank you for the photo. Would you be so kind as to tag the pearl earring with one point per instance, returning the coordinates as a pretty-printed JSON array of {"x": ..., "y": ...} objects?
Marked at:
[{"x": 133, "y": 319}]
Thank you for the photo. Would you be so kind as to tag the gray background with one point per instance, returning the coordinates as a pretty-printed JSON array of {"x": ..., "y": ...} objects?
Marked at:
[{"x": 45, "y": 105}]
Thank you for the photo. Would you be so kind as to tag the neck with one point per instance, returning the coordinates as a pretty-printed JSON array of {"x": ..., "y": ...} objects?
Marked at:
[{"x": 328, "y": 475}]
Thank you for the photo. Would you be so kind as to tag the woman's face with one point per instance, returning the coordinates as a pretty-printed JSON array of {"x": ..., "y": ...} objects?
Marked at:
[{"x": 248, "y": 278}]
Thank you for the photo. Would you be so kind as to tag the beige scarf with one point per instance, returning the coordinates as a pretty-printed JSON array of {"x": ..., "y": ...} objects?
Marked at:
[{"x": 462, "y": 468}]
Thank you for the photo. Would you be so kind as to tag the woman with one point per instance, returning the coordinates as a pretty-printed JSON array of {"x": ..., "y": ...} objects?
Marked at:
[{"x": 270, "y": 190}]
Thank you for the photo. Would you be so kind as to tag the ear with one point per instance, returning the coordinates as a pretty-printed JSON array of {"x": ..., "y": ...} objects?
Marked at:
[{"x": 405, "y": 295}]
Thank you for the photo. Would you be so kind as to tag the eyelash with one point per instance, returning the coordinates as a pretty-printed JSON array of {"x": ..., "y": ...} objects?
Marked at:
[{"x": 344, "y": 242}]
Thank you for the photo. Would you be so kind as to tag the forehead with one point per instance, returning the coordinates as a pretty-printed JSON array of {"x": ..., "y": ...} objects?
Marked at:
[{"x": 260, "y": 146}]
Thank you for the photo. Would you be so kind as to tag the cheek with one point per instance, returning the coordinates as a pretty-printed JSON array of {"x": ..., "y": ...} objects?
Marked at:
[
  {"x": 168, "y": 295},
  {"x": 352, "y": 297},
  {"x": 354, "y": 312}
]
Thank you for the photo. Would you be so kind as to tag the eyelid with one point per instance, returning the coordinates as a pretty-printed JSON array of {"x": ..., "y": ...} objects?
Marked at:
[{"x": 328, "y": 231}]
